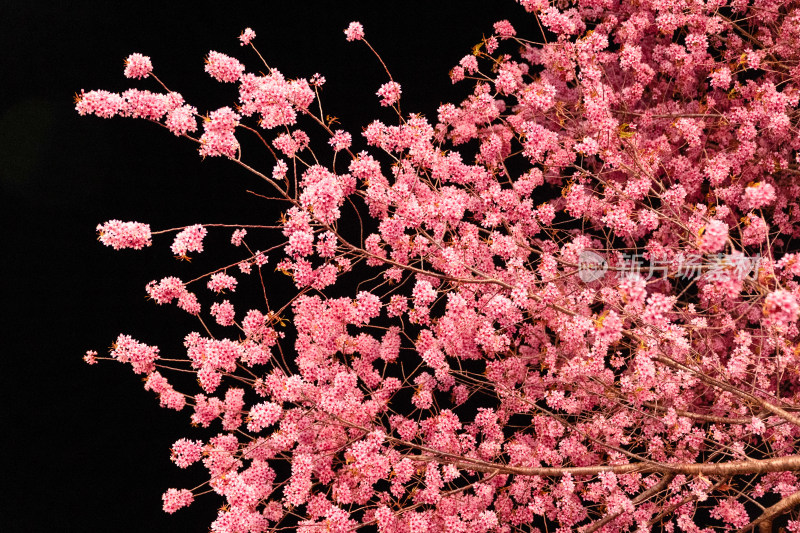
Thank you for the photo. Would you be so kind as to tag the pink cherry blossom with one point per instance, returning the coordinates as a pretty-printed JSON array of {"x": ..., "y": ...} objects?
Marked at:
[
  {"x": 504, "y": 29},
  {"x": 141, "y": 356},
  {"x": 263, "y": 415},
  {"x": 220, "y": 282},
  {"x": 714, "y": 236},
  {"x": 186, "y": 452},
  {"x": 104, "y": 104},
  {"x": 758, "y": 195},
  {"x": 175, "y": 499},
  {"x": 223, "y": 312},
  {"x": 138, "y": 66},
  {"x": 90, "y": 357},
  {"x": 189, "y": 240},
  {"x": 181, "y": 120},
  {"x": 218, "y": 138},
  {"x": 354, "y": 32},
  {"x": 247, "y": 36},
  {"x": 781, "y": 308},
  {"x": 223, "y": 68},
  {"x": 119, "y": 235},
  {"x": 389, "y": 93},
  {"x": 570, "y": 296},
  {"x": 238, "y": 236},
  {"x": 341, "y": 140}
]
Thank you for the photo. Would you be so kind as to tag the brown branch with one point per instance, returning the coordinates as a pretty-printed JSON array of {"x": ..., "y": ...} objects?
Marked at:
[
  {"x": 764, "y": 522},
  {"x": 649, "y": 493},
  {"x": 749, "y": 466},
  {"x": 688, "y": 498},
  {"x": 752, "y": 38},
  {"x": 697, "y": 416},
  {"x": 772, "y": 408},
  {"x": 681, "y": 412}
]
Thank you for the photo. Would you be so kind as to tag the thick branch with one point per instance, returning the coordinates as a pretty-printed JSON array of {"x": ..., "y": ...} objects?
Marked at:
[
  {"x": 731, "y": 468},
  {"x": 764, "y": 522},
  {"x": 644, "y": 496}
]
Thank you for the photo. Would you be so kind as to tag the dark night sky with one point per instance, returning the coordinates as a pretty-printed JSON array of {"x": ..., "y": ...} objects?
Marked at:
[{"x": 88, "y": 448}]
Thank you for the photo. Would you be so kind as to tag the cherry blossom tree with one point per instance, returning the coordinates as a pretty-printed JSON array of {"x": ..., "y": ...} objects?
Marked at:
[{"x": 567, "y": 302}]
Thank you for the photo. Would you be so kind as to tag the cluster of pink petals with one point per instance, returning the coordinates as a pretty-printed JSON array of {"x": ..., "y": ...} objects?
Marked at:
[
  {"x": 504, "y": 29},
  {"x": 103, "y": 104},
  {"x": 238, "y": 236},
  {"x": 138, "y": 66},
  {"x": 324, "y": 192},
  {"x": 221, "y": 281},
  {"x": 189, "y": 240},
  {"x": 218, "y": 138},
  {"x": 171, "y": 288},
  {"x": 273, "y": 98},
  {"x": 175, "y": 499},
  {"x": 223, "y": 312},
  {"x": 629, "y": 144},
  {"x": 263, "y": 415},
  {"x": 181, "y": 120},
  {"x": 119, "y": 235},
  {"x": 389, "y": 93},
  {"x": 147, "y": 105},
  {"x": 141, "y": 356},
  {"x": 168, "y": 396},
  {"x": 224, "y": 68},
  {"x": 758, "y": 195},
  {"x": 781, "y": 308},
  {"x": 354, "y": 32},
  {"x": 166, "y": 290},
  {"x": 132, "y": 103},
  {"x": 714, "y": 237},
  {"x": 341, "y": 140},
  {"x": 186, "y": 452},
  {"x": 317, "y": 80},
  {"x": 247, "y": 35},
  {"x": 291, "y": 143}
]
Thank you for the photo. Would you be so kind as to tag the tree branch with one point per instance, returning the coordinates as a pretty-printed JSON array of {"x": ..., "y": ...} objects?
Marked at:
[
  {"x": 644, "y": 496},
  {"x": 764, "y": 522},
  {"x": 730, "y": 468}
]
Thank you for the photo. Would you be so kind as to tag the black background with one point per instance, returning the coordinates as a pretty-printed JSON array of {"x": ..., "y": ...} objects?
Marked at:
[{"x": 87, "y": 448}]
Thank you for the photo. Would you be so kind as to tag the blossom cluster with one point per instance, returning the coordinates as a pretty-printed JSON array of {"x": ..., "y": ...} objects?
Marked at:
[
  {"x": 119, "y": 235},
  {"x": 451, "y": 359}
]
